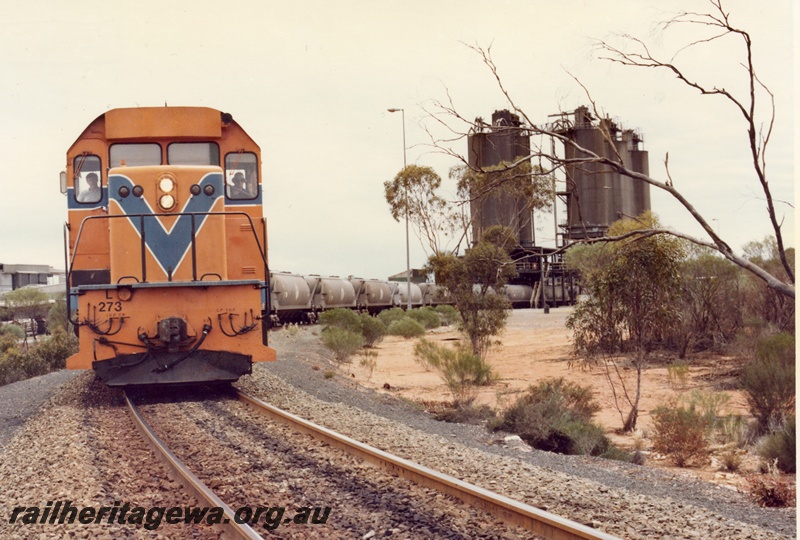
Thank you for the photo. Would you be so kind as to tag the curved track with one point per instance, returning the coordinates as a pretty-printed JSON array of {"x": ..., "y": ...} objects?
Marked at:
[
  {"x": 513, "y": 512},
  {"x": 537, "y": 521}
]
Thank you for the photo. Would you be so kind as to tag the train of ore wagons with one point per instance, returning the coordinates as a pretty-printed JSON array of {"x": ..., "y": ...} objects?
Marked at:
[{"x": 165, "y": 244}]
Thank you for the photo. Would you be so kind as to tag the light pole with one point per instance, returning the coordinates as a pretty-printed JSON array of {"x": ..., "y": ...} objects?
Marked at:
[{"x": 408, "y": 253}]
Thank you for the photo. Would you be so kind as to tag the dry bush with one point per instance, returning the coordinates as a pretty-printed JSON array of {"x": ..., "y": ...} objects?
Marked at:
[
  {"x": 680, "y": 433},
  {"x": 770, "y": 490},
  {"x": 730, "y": 460},
  {"x": 465, "y": 413},
  {"x": 368, "y": 360}
]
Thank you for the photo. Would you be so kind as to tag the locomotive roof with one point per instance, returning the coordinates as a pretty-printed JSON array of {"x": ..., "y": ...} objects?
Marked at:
[{"x": 160, "y": 122}]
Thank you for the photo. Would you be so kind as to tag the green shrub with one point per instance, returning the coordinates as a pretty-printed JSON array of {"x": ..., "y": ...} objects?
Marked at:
[
  {"x": 465, "y": 413},
  {"x": 53, "y": 352},
  {"x": 49, "y": 355},
  {"x": 11, "y": 369},
  {"x": 428, "y": 354},
  {"x": 448, "y": 314},
  {"x": 372, "y": 329},
  {"x": 734, "y": 429},
  {"x": 579, "y": 400},
  {"x": 678, "y": 375},
  {"x": 680, "y": 433},
  {"x": 426, "y": 316},
  {"x": 556, "y": 416},
  {"x": 7, "y": 342},
  {"x": 343, "y": 343},
  {"x": 345, "y": 319},
  {"x": 406, "y": 327},
  {"x": 12, "y": 330},
  {"x": 618, "y": 454},
  {"x": 769, "y": 380},
  {"x": 710, "y": 405},
  {"x": 586, "y": 438},
  {"x": 460, "y": 368},
  {"x": 369, "y": 360},
  {"x": 16, "y": 365},
  {"x": 57, "y": 316},
  {"x": 389, "y": 316},
  {"x": 780, "y": 446}
]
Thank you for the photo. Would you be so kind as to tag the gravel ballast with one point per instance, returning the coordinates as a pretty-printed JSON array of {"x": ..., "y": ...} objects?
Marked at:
[
  {"x": 674, "y": 497},
  {"x": 622, "y": 499}
]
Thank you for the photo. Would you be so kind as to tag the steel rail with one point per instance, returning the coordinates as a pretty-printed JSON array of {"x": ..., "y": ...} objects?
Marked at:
[
  {"x": 229, "y": 527},
  {"x": 504, "y": 508}
]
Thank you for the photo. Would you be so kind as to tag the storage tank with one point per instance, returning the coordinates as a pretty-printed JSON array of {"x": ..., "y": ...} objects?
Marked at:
[
  {"x": 400, "y": 294},
  {"x": 597, "y": 195},
  {"x": 520, "y": 296},
  {"x": 289, "y": 290},
  {"x": 434, "y": 295},
  {"x": 372, "y": 295},
  {"x": 334, "y": 292},
  {"x": 503, "y": 141}
]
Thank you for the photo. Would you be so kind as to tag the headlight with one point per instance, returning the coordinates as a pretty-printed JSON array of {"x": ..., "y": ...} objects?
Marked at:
[
  {"x": 166, "y": 202},
  {"x": 166, "y": 184}
]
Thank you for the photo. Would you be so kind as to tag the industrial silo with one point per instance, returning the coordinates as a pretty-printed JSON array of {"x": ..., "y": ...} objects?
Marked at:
[
  {"x": 505, "y": 140},
  {"x": 596, "y": 194}
]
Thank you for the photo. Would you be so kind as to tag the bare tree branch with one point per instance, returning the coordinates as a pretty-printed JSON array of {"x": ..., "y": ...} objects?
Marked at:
[{"x": 638, "y": 55}]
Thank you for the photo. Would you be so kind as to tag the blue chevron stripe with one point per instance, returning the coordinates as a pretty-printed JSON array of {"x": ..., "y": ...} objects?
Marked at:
[{"x": 167, "y": 247}]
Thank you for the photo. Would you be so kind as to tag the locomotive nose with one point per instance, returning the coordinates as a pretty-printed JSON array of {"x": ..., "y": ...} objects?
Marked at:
[{"x": 173, "y": 332}]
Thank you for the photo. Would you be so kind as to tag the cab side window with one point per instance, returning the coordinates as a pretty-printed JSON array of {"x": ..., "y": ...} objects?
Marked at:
[
  {"x": 88, "y": 179},
  {"x": 241, "y": 176}
]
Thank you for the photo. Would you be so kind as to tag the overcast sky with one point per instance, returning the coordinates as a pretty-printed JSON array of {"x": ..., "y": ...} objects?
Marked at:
[{"x": 311, "y": 82}]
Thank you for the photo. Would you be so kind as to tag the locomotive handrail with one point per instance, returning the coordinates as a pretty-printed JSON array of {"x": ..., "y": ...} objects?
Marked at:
[{"x": 261, "y": 249}]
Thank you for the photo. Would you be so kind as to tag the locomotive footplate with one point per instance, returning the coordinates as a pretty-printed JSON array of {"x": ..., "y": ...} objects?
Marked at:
[{"x": 199, "y": 366}]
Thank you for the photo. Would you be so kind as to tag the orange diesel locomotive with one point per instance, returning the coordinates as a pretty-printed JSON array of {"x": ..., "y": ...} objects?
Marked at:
[{"x": 166, "y": 247}]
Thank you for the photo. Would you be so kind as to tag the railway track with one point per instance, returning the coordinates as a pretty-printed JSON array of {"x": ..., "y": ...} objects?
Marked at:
[
  {"x": 202, "y": 493},
  {"x": 537, "y": 521}
]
